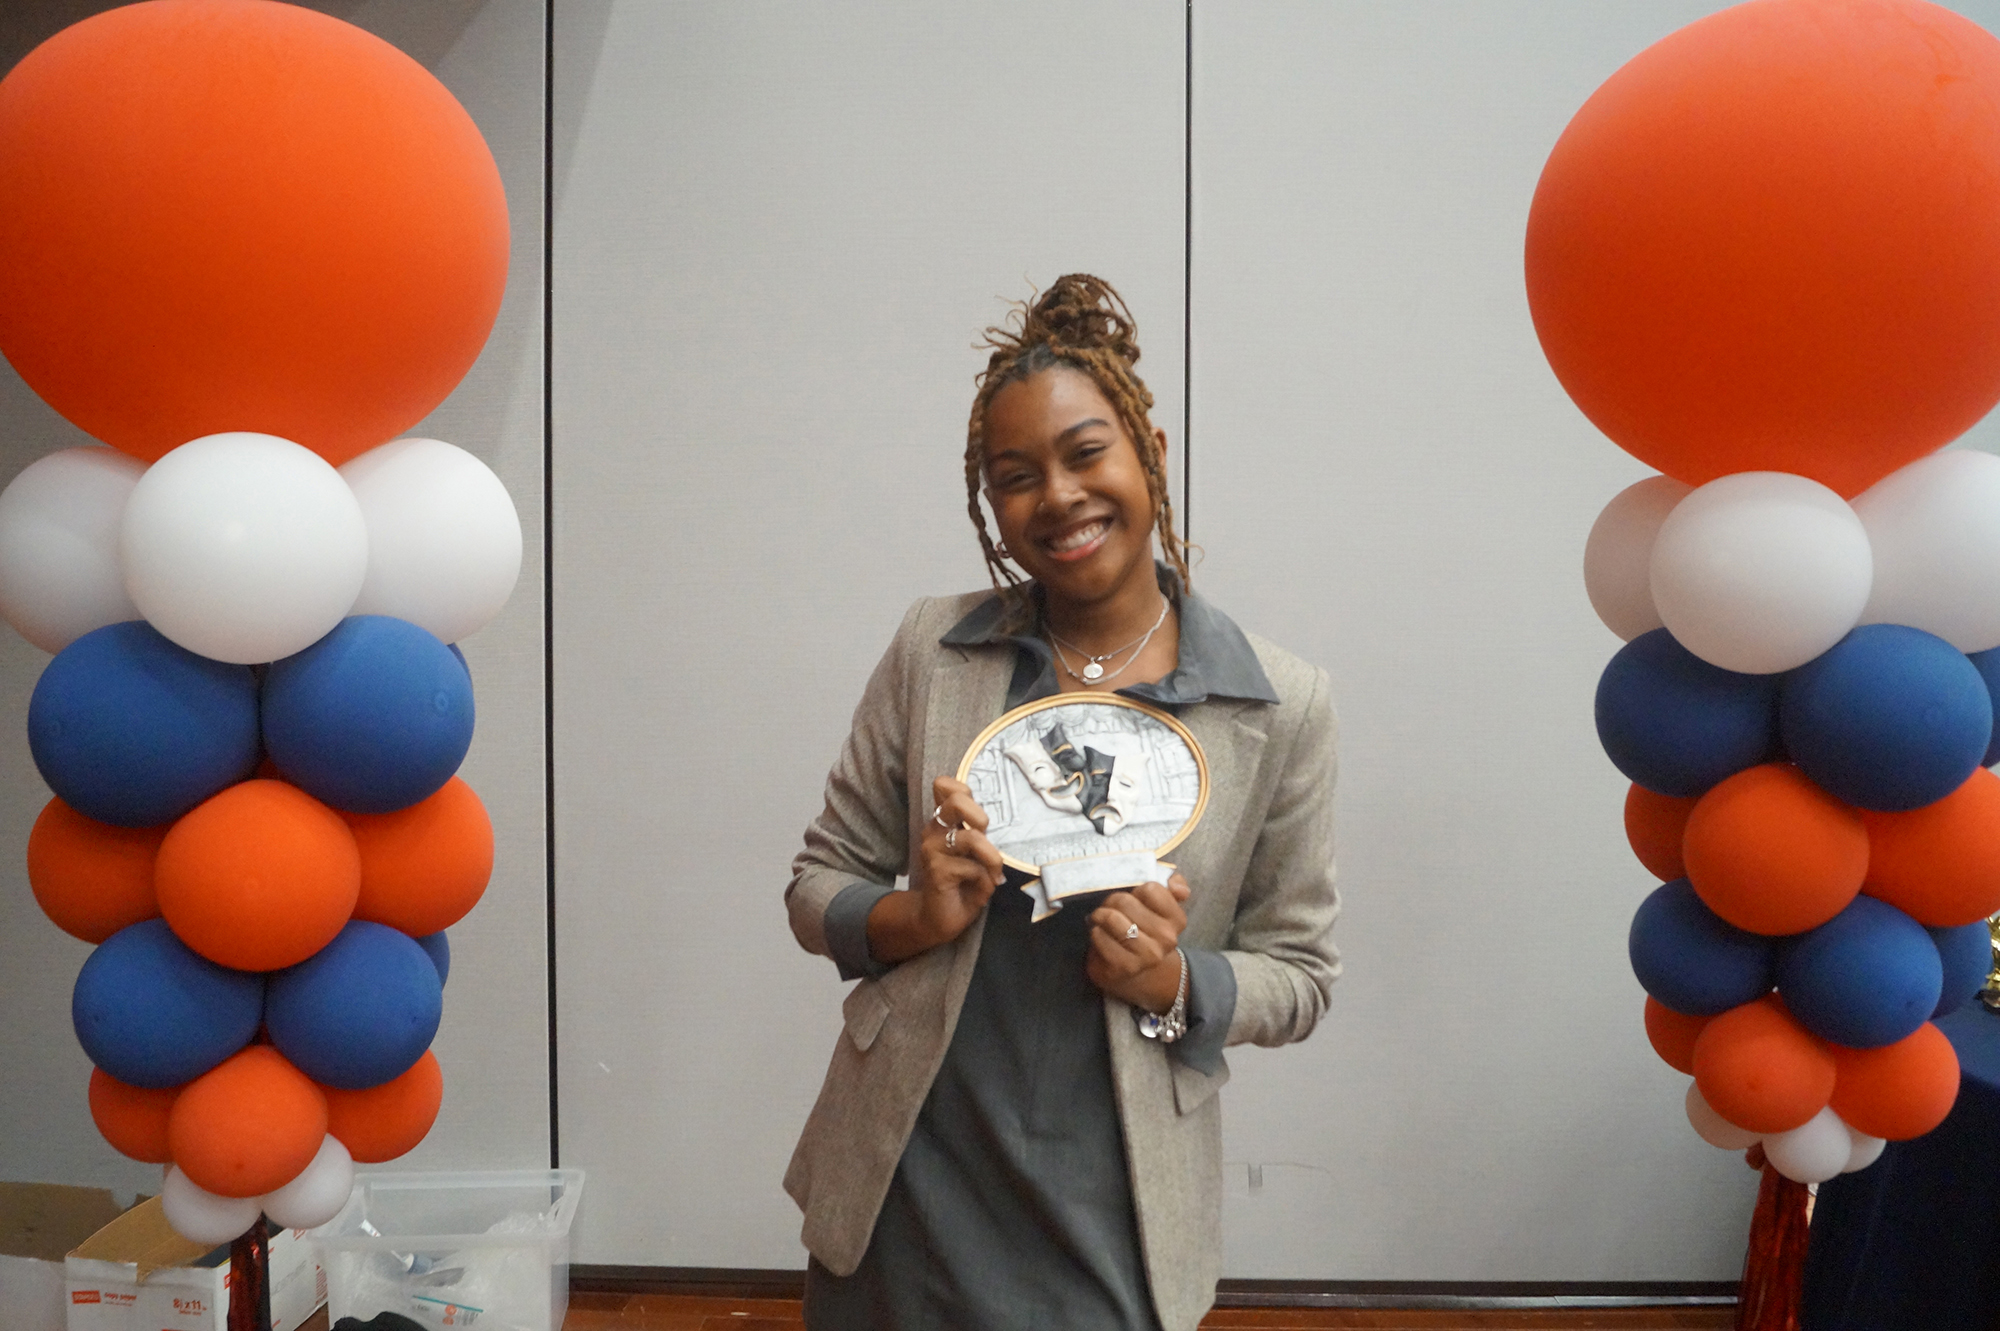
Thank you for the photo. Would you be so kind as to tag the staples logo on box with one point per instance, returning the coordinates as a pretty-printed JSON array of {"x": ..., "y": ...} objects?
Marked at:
[{"x": 84, "y": 1296}]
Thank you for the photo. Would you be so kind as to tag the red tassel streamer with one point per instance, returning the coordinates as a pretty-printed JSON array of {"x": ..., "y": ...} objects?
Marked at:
[
  {"x": 1774, "y": 1270},
  {"x": 250, "y": 1279}
]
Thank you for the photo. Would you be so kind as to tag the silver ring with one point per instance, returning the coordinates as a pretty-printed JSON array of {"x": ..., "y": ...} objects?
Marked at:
[
  {"x": 951, "y": 838},
  {"x": 1131, "y": 932},
  {"x": 938, "y": 818}
]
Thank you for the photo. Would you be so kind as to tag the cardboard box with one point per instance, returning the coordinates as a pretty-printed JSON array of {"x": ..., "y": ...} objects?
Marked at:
[
  {"x": 39, "y": 1224},
  {"x": 136, "y": 1274}
]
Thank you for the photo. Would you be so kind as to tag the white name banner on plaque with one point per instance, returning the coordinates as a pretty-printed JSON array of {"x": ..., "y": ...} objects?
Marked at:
[{"x": 1085, "y": 791}]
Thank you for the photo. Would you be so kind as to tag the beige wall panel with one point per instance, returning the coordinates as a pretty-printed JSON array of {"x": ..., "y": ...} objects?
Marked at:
[
  {"x": 778, "y": 228},
  {"x": 493, "y": 1043},
  {"x": 1389, "y": 480}
]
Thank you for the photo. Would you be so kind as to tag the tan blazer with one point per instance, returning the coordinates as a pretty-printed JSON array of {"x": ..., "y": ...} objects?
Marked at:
[{"x": 1261, "y": 867}]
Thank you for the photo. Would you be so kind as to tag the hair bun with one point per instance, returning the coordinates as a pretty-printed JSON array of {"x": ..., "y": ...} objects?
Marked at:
[{"x": 1082, "y": 313}]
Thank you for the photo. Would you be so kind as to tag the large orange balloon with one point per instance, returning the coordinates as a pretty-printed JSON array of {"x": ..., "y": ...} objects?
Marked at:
[
  {"x": 1940, "y": 864},
  {"x": 1761, "y": 1070},
  {"x": 132, "y": 1118},
  {"x": 1654, "y": 824},
  {"x": 1772, "y": 242},
  {"x": 424, "y": 867},
  {"x": 259, "y": 877},
  {"x": 1770, "y": 852},
  {"x": 1898, "y": 1091},
  {"x": 247, "y": 1126},
  {"x": 237, "y": 215},
  {"x": 91, "y": 878},
  {"x": 383, "y": 1122}
]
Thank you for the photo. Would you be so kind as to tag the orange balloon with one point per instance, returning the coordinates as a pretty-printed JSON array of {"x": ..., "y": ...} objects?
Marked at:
[
  {"x": 1940, "y": 864},
  {"x": 383, "y": 1122},
  {"x": 132, "y": 1118},
  {"x": 1901, "y": 1090},
  {"x": 1772, "y": 853},
  {"x": 236, "y": 215},
  {"x": 1654, "y": 824},
  {"x": 1673, "y": 1034},
  {"x": 248, "y": 1125},
  {"x": 259, "y": 877},
  {"x": 1771, "y": 241},
  {"x": 424, "y": 867},
  {"x": 91, "y": 878},
  {"x": 1760, "y": 1069}
]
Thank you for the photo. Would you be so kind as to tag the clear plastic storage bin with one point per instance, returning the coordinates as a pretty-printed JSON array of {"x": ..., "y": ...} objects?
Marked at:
[{"x": 488, "y": 1251}]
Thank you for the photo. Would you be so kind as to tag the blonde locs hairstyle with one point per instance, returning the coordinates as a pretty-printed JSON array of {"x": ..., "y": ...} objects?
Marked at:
[{"x": 1081, "y": 322}]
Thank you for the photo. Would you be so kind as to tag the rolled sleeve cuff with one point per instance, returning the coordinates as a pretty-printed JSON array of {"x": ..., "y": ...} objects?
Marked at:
[
  {"x": 846, "y": 924},
  {"x": 1211, "y": 1007}
]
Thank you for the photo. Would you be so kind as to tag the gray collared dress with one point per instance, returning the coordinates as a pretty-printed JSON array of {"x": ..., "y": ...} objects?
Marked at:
[{"x": 1011, "y": 1206}]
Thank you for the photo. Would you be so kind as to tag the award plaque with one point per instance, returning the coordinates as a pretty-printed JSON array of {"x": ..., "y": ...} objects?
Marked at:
[{"x": 1085, "y": 791}]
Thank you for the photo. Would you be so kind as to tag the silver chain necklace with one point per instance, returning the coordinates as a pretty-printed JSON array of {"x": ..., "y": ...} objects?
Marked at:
[{"x": 1093, "y": 672}]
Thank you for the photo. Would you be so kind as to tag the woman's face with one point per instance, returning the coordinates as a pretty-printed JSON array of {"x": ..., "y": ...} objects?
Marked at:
[{"x": 1067, "y": 487}]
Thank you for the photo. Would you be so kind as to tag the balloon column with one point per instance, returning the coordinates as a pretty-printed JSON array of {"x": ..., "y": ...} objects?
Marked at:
[
  {"x": 1764, "y": 257},
  {"x": 245, "y": 244}
]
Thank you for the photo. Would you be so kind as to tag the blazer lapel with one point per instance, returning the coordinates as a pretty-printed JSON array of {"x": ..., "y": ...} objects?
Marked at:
[
  {"x": 967, "y": 694},
  {"x": 1232, "y": 739}
]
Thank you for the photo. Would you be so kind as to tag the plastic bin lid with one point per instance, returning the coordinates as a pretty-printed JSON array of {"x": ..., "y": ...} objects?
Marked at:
[{"x": 453, "y": 1208}]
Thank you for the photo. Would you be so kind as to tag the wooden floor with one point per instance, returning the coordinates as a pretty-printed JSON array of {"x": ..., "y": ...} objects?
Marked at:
[{"x": 664, "y": 1312}]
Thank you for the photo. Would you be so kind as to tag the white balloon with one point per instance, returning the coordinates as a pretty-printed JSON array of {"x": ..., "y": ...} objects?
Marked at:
[
  {"x": 318, "y": 1193},
  {"x": 1618, "y": 557},
  {"x": 59, "y": 521},
  {"x": 1935, "y": 529},
  {"x": 1867, "y": 1150},
  {"x": 243, "y": 547},
  {"x": 1761, "y": 571},
  {"x": 444, "y": 541},
  {"x": 1713, "y": 1128},
  {"x": 1814, "y": 1151},
  {"x": 200, "y": 1215}
]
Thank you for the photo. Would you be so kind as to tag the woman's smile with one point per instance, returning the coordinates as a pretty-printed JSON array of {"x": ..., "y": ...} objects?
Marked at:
[{"x": 1078, "y": 542}]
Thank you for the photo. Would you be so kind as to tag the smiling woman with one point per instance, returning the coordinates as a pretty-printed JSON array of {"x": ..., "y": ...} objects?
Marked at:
[{"x": 1019, "y": 1124}]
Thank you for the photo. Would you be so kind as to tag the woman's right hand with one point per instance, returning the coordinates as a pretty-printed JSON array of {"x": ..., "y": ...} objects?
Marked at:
[{"x": 956, "y": 871}]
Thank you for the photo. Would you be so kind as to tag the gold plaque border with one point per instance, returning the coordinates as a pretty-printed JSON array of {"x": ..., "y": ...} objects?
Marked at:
[{"x": 1085, "y": 699}]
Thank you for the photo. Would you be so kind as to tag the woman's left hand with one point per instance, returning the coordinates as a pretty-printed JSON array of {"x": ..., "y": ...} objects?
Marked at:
[{"x": 1141, "y": 968}]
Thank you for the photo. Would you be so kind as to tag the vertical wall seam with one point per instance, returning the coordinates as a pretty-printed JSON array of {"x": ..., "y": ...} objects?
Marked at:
[
  {"x": 1187, "y": 284},
  {"x": 548, "y": 551}
]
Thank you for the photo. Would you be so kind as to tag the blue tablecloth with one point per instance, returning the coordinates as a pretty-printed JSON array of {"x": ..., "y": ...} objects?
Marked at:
[{"x": 1912, "y": 1243}]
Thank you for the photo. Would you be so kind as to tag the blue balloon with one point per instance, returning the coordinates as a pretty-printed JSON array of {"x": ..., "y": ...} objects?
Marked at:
[
  {"x": 1676, "y": 724},
  {"x": 358, "y": 1012},
  {"x": 151, "y": 1012},
  {"x": 439, "y": 949},
  {"x": 1867, "y": 977},
  {"x": 1692, "y": 959},
  {"x": 460, "y": 657},
  {"x": 372, "y": 718},
  {"x": 132, "y": 730},
  {"x": 1967, "y": 956},
  {"x": 1987, "y": 663},
  {"x": 1889, "y": 718}
]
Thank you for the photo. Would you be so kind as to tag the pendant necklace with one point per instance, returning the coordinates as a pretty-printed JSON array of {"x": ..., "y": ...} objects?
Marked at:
[{"x": 1093, "y": 670}]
